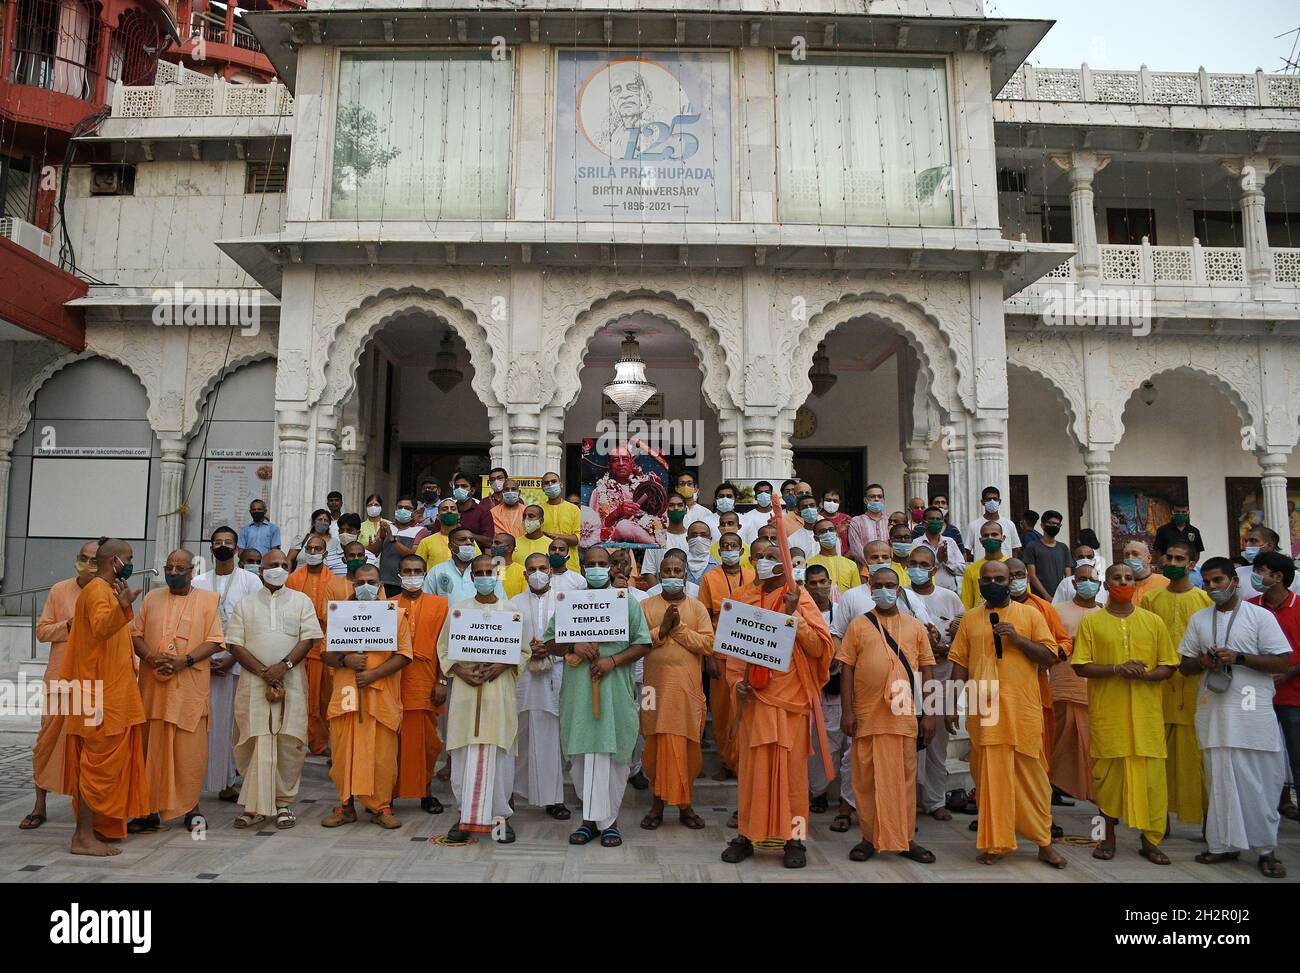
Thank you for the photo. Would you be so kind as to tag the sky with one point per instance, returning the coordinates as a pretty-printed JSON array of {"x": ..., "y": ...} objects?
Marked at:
[{"x": 1165, "y": 35}]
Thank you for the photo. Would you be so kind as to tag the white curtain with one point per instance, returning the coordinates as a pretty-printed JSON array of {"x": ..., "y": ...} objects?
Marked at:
[
  {"x": 71, "y": 49},
  {"x": 422, "y": 135},
  {"x": 864, "y": 141}
]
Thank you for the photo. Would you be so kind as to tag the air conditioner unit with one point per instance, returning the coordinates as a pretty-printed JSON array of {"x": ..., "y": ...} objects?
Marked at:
[{"x": 27, "y": 236}]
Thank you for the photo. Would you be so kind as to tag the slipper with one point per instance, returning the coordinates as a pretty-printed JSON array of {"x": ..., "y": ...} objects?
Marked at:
[
  {"x": 31, "y": 822},
  {"x": 610, "y": 837},
  {"x": 1104, "y": 852},
  {"x": 230, "y": 795},
  {"x": 508, "y": 838},
  {"x": 1154, "y": 855},
  {"x": 559, "y": 812},
  {"x": 192, "y": 817},
  {"x": 1290, "y": 812},
  {"x": 1212, "y": 858},
  {"x": 796, "y": 856},
  {"x": 862, "y": 851},
  {"x": 285, "y": 819},
  {"x": 837, "y": 827},
  {"x": 431, "y": 805},
  {"x": 941, "y": 814},
  {"x": 737, "y": 850},
  {"x": 652, "y": 821},
  {"x": 1270, "y": 867},
  {"x": 691, "y": 820},
  {"x": 583, "y": 835},
  {"x": 974, "y": 825},
  {"x": 819, "y": 804},
  {"x": 922, "y": 856},
  {"x": 734, "y": 820},
  {"x": 149, "y": 825},
  {"x": 246, "y": 820}
]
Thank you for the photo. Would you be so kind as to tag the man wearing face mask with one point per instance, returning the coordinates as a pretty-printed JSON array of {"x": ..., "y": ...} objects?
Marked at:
[
  {"x": 54, "y": 627},
  {"x": 482, "y": 721},
  {"x": 806, "y": 508},
  {"x": 1047, "y": 559},
  {"x": 1138, "y": 558},
  {"x": 475, "y": 515},
  {"x": 320, "y": 524},
  {"x": 365, "y": 715},
  {"x": 434, "y": 548},
  {"x": 939, "y": 503},
  {"x": 509, "y": 571},
  {"x": 1071, "y": 758},
  {"x": 1179, "y": 528},
  {"x": 820, "y": 588},
  {"x": 873, "y": 525},
  {"x": 946, "y": 551},
  {"x": 423, "y": 692},
  {"x": 715, "y": 586},
  {"x": 559, "y": 556},
  {"x": 1083, "y": 556},
  {"x": 321, "y": 587},
  {"x": 778, "y": 720},
  {"x": 334, "y": 504},
  {"x": 1184, "y": 766},
  {"x": 688, "y": 489},
  {"x": 994, "y": 544},
  {"x": 991, "y": 498},
  {"x": 1260, "y": 540},
  {"x": 349, "y": 533},
  {"x": 1125, "y": 653},
  {"x": 534, "y": 539},
  {"x": 260, "y": 534},
  {"x": 842, "y": 571},
  {"x": 561, "y": 518},
  {"x": 699, "y": 557},
  {"x": 1245, "y": 766},
  {"x": 681, "y": 634},
  {"x": 426, "y": 511},
  {"x": 601, "y": 747},
  {"x": 675, "y": 536},
  {"x": 508, "y": 515},
  {"x": 270, "y": 633},
  {"x": 175, "y": 633},
  {"x": 539, "y": 767},
  {"x": 1007, "y": 758},
  {"x": 250, "y": 560},
  {"x": 881, "y": 654},
  {"x": 724, "y": 502},
  {"x": 831, "y": 508},
  {"x": 401, "y": 539},
  {"x": 453, "y": 579},
  {"x": 760, "y": 515}
]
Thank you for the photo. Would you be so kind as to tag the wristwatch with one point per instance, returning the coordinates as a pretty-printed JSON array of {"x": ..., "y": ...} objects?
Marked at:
[
  {"x": 1241, "y": 659},
  {"x": 189, "y": 661}
]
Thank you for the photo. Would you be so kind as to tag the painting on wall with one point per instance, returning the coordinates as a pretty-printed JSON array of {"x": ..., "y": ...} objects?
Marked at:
[
  {"x": 1245, "y": 499},
  {"x": 1139, "y": 506}
]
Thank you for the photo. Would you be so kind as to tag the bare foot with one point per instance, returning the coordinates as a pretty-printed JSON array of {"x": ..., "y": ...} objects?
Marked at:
[
  {"x": 93, "y": 847},
  {"x": 1049, "y": 856},
  {"x": 988, "y": 858}
]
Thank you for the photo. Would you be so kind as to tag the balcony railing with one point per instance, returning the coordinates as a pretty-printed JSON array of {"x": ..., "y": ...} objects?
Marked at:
[
  {"x": 216, "y": 98},
  {"x": 1146, "y": 87},
  {"x": 41, "y": 70},
  {"x": 215, "y": 31},
  {"x": 1194, "y": 266}
]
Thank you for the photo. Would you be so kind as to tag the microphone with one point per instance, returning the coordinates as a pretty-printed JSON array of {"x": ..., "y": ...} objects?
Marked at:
[{"x": 997, "y": 639}]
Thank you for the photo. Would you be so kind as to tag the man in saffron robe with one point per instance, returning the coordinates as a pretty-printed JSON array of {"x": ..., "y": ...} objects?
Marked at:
[
  {"x": 322, "y": 586},
  {"x": 423, "y": 694}
]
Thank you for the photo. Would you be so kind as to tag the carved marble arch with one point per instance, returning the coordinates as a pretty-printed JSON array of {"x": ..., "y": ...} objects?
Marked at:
[
  {"x": 939, "y": 369},
  {"x": 25, "y": 397},
  {"x": 1073, "y": 408},
  {"x": 196, "y": 403},
  {"x": 1126, "y": 393},
  {"x": 710, "y": 349},
  {"x": 361, "y": 324}
]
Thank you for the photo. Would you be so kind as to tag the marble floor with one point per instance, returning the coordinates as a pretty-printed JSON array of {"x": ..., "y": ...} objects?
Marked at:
[{"x": 363, "y": 852}]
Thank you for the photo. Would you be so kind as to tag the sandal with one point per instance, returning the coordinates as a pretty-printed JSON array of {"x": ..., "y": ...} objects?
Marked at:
[
  {"x": 192, "y": 818},
  {"x": 652, "y": 821},
  {"x": 1153, "y": 854},
  {"x": 149, "y": 825},
  {"x": 796, "y": 856},
  {"x": 1213, "y": 858},
  {"x": 691, "y": 820},
  {"x": 839, "y": 828},
  {"x": 247, "y": 820},
  {"x": 284, "y": 819},
  {"x": 230, "y": 795},
  {"x": 583, "y": 835},
  {"x": 31, "y": 822},
  {"x": 737, "y": 850},
  {"x": 508, "y": 837},
  {"x": 1104, "y": 852},
  {"x": 610, "y": 837},
  {"x": 559, "y": 812},
  {"x": 922, "y": 856},
  {"x": 941, "y": 814},
  {"x": 862, "y": 851},
  {"x": 340, "y": 817},
  {"x": 734, "y": 820},
  {"x": 431, "y": 805},
  {"x": 1270, "y": 867},
  {"x": 819, "y": 804}
]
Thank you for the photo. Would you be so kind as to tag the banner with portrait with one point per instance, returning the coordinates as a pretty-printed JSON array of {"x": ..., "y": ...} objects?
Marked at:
[
  {"x": 624, "y": 495},
  {"x": 643, "y": 136}
]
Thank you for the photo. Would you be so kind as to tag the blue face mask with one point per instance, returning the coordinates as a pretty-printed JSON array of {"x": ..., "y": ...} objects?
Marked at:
[
  {"x": 809, "y": 515},
  {"x": 884, "y": 597},
  {"x": 552, "y": 490},
  {"x": 485, "y": 586},
  {"x": 673, "y": 586},
  {"x": 461, "y": 494},
  {"x": 367, "y": 591},
  {"x": 499, "y": 550},
  {"x": 321, "y": 526},
  {"x": 1250, "y": 553},
  {"x": 918, "y": 576},
  {"x": 725, "y": 505},
  {"x": 511, "y": 497},
  {"x": 597, "y": 577},
  {"x": 902, "y": 548},
  {"x": 828, "y": 539},
  {"x": 730, "y": 558},
  {"x": 763, "y": 499},
  {"x": 1135, "y": 564},
  {"x": 876, "y": 506},
  {"x": 1256, "y": 581},
  {"x": 1087, "y": 589},
  {"x": 789, "y": 502},
  {"x": 466, "y": 552},
  {"x": 402, "y": 515}
]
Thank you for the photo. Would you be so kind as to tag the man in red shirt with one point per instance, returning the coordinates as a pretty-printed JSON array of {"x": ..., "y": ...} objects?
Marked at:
[
  {"x": 1272, "y": 575},
  {"x": 474, "y": 514}
]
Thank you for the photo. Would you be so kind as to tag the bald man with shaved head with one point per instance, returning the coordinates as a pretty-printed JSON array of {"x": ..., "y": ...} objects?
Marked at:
[{"x": 175, "y": 633}]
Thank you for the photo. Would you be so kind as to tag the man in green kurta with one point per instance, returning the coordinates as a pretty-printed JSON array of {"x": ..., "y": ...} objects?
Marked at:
[{"x": 600, "y": 747}]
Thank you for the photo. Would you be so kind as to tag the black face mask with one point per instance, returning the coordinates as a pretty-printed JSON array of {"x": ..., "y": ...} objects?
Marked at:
[
  {"x": 995, "y": 593},
  {"x": 1051, "y": 530},
  {"x": 258, "y": 516},
  {"x": 223, "y": 553},
  {"x": 430, "y": 496},
  {"x": 176, "y": 581}
]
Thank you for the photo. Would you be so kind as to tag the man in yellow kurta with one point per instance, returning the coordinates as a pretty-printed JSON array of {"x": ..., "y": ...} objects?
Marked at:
[
  {"x": 176, "y": 632},
  {"x": 1125, "y": 653},
  {"x": 672, "y": 714},
  {"x": 54, "y": 627},
  {"x": 365, "y": 715},
  {"x": 879, "y": 715},
  {"x": 1176, "y": 604},
  {"x": 844, "y": 573},
  {"x": 990, "y": 541},
  {"x": 482, "y": 722},
  {"x": 777, "y": 721},
  {"x": 1007, "y": 758},
  {"x": 561, "y": 520}
]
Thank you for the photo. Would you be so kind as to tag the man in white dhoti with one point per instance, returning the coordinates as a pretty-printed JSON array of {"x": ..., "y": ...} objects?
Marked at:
[
  {"x": 270, "y": 634},
  {"x": 231, "y": 585},
  {"x": 539, "y": 768},
  {"x": 482, "y": 721},
  {"x": 1236, "y": 648}
]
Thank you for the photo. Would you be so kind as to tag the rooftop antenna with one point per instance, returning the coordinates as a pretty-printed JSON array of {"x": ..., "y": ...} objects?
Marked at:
[{"x": 1291, "y": 63}]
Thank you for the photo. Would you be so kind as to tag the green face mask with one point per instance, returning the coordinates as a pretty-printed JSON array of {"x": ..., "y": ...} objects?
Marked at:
[
  {"x": 934, "y": 526},
  {"x": 1180, "y": 519},
  {"x": 450, "y": 518},
  {"x": 354, "y": 564},
  {"x": 557, "y": 560},
  {"x": 991, "y": 544},
  {"x": 124, "y": 571},
  {"x": 676, "y": 516},
  {"x": 1175, "y": 572}
]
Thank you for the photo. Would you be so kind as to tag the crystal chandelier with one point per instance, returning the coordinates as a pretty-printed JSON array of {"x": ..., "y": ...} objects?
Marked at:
[
  {"x": 630, "y": 390},
  {"x": 445, "y": 375},
  {"x": 821, "y": 376}
]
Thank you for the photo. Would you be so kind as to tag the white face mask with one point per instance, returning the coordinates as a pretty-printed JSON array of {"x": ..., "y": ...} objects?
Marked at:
[
  {"x": 346, "y": 539},
  {"x": 698, "y": 546},
  {"x": 991, "y": 506},
  {"x": 313, "y": 559},
  {"x": 537, "y": 580},
  {"x": 765, "y": 567},
  {"x": 374, "y": 511},
  {"x": 830, "y": 507},
  {"x": 412, "y": 582},
  {"x": 276, "y": 577}
]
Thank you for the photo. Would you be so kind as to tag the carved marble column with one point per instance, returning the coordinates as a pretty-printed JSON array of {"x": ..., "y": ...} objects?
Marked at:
[
  {"x": 525, "y": 432},
  {"x": 171, "y": 488},
  {"x": 353, "y": 486},
  {"x": 290, "y": 488},
  {"x": 1251, "y": 173},
  {"x": 327, "y": 442},
  {"x": 1096, "y": 465},
  {"x": 6, "y": 466},
  {"x": 916, "y": 472},
  {"x": 729, "y": 444},
  {"x": 1272, "y": 467},
  {"x": 762, "y": 455},
  {"x": 1083, "y": 168},
  {"x": 991, "y": 456},
  {"x": 959, "y": 491}
]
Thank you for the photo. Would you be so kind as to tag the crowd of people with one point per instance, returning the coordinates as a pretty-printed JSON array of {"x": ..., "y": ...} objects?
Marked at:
[{"x": 1162, "y": 684}]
